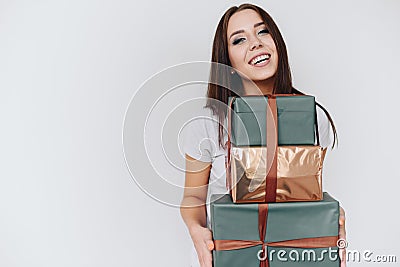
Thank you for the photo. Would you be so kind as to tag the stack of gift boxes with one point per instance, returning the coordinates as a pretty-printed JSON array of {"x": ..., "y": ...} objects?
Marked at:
[{"x": 276, "y": 213}]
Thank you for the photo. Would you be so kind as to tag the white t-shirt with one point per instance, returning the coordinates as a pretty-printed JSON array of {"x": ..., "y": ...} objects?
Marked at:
[{"x": 201, "y": 143}]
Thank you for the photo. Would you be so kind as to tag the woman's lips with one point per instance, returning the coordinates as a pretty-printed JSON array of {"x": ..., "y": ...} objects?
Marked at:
[
  {"x": 261, "y": 64},
  {"x": 260, "y": 60}
]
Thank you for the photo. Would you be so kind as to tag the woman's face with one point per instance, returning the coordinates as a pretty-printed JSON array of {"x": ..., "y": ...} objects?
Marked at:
[{"x": 251, "y": 48}]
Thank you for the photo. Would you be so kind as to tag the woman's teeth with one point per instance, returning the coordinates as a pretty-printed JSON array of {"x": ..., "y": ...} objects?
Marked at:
[{"x": 260, "y": 59}]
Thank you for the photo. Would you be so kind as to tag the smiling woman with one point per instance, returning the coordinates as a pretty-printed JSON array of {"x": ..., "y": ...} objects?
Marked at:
[
  {"x": 252, "y": 50},
  {"x": 249, "y": 43}
]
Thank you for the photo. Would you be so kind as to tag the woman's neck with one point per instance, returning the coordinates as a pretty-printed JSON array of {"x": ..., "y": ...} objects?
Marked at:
[{"x": 264, "y": 87}]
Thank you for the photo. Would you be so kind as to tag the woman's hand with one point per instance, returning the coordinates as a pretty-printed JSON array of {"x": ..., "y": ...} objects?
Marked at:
[
  {"x": 203, "y": 243},
  {"x": 342, "y": 235}
]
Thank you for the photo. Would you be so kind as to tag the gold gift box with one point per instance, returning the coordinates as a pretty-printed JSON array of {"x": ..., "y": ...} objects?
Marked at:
[{"x": 299, "y": 173}]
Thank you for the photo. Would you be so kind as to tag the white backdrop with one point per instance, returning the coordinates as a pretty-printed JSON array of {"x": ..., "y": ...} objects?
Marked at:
[{"x": 68, "y": 70}]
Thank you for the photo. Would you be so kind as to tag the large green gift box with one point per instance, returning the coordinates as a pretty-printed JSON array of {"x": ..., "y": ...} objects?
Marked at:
[
  {"x": 296, "y": 120},
  {"x": 298, "y": 234}
]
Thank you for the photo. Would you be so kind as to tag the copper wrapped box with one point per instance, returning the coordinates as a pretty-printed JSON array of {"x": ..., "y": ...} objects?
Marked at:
[{"x": 299, "y": 173}]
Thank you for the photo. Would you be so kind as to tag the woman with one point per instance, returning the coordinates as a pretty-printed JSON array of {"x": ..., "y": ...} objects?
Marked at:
[{"x": 248, "y": 40}]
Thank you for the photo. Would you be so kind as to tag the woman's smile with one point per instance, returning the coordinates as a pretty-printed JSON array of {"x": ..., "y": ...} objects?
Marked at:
[
  {"x": 251, "y": 48},
  {"x": 260, "y": 60}
]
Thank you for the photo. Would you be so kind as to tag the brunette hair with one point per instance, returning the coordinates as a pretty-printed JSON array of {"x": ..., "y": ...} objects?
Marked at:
[{"x": 223, "y": 84}]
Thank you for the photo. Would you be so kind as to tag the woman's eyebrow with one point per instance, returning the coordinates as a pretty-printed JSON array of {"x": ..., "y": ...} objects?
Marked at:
[{"x": 240, "y": 31}]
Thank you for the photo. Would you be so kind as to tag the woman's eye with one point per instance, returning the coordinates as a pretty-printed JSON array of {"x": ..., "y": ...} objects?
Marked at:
[
  {"x": 237, "y": 41},
  {"x": 265, "y": 31}
]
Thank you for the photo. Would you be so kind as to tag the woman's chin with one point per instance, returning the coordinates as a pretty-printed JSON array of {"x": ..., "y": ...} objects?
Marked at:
[{"x": 260, "y": 77}]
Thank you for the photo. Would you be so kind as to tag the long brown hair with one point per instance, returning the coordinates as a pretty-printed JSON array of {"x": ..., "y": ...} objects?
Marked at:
[{"x": 223, "y": 84}]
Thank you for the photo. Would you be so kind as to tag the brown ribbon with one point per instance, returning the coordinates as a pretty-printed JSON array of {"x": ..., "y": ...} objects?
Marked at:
[
  {"x": 272, "y": 150},
  {"x": 313, "y": 242},
  {"x": 228, "y": 159},
  {"x": 262, "y": 228}
]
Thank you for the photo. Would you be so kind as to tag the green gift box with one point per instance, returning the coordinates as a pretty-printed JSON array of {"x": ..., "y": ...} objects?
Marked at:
[
  {"x": 296, "y": 120},
  {"x": 293, "y": 234}
]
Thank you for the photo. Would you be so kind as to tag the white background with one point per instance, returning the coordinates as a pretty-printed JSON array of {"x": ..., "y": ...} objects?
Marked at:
[{"x": 68, "y": 70}]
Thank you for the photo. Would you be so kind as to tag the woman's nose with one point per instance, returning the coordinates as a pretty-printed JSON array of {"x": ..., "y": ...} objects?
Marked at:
[{"x": 255, "y": 43}]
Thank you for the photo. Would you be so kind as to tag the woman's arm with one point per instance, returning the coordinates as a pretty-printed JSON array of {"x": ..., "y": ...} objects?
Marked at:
[{"x": 193, "y": 208}]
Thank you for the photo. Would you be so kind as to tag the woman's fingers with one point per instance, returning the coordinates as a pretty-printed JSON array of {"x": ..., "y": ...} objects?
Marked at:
[
  {"x": 210, "y": 245},
  {"x": 207, "y": 259},
  {"x": 202, "y": 239},
  {"x": 342, "y": 235},
  {"x": 206, "y": 255},
  {"x": 342, "y": 217},
  {"x": 342, "y": 224},
  {"x": 342, "y": 254}
]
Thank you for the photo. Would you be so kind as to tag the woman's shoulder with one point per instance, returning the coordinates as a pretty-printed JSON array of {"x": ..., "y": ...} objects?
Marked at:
[
  {"x": 201, "y": 135},
  {"x": 204, "y": 121}
]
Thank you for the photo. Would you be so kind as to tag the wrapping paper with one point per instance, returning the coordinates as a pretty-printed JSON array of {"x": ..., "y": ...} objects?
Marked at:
[
  {"x": 296, "y": 120},
  {"x": 299, "y": 228},
  {"x": 299, "y": 173}
]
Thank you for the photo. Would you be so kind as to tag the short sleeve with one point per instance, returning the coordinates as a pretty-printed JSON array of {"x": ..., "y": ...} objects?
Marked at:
[
  {"x": 199, "y": 139},
  {"x": 324, "y": 129}
]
